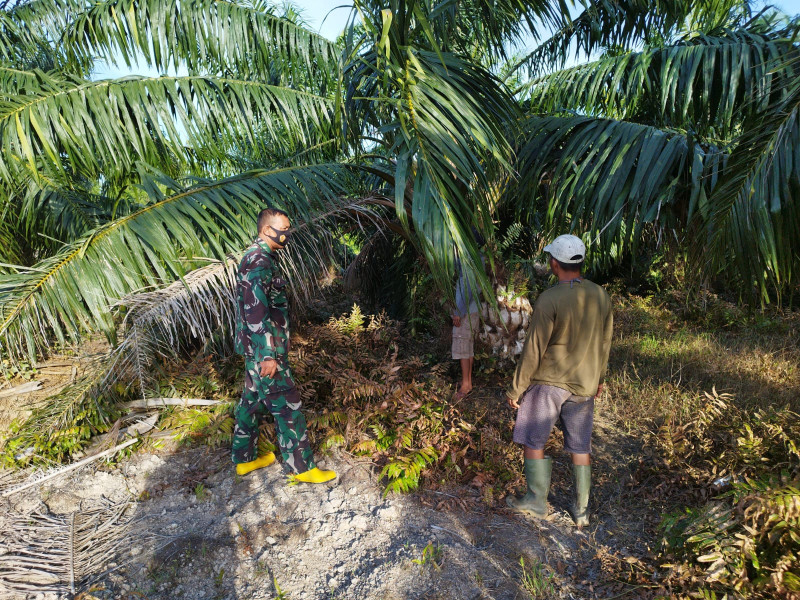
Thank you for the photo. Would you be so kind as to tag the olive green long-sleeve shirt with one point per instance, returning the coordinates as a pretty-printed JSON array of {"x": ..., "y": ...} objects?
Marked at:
[{"x": 568, "y": 341}]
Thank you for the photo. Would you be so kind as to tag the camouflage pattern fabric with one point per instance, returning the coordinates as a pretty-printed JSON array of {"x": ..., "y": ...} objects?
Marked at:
[
  {"x": 279, "y": 397},
  {"x": 262, "y": 332},
  {"x": 262, "y": 310}
]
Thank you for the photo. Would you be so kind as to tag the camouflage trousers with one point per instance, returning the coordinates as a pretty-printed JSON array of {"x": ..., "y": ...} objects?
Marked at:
[{"x": 278, "y": 396}]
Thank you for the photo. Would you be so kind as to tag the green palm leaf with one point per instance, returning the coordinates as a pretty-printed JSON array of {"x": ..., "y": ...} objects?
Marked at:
[
  {"x": 469, "y": 27},
  {"x": 217, "y": 36},
  {"x": 606, "y": 178},
  {"x": 451, "y": 146},
  {"x": 14, "y": 81},
  {"x": 119, "y": 122},
  {"x": 604, "y": 24},
  {"x": 67, "y": 209},
  {"x": 30, "y": 36},
  {"x": 442, "y": 121},
  {"x": 69, "y": 294},
  {"x": 753, "y": 220},
  {"x": 702, "y": 82}
]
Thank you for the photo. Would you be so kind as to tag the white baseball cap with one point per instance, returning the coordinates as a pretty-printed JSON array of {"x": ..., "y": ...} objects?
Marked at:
[{"x": 567, "y": 249}]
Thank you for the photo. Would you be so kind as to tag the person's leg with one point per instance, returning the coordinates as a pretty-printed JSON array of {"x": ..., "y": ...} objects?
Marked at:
[
  {"x": 536, "y": 416},
  {"x": 290, "y": 428},
  {"x": 578, "y": 417},
  {"x": 466, "y": 376},
  {"x": 582, "y": 459},
  {"x": 245, "y": 432},
  {"x": 533, "y": 454},
  {"x": 538, "y": 468},
  {"x": 464, "y": 350},
  {"x": 538, "y": 412}
]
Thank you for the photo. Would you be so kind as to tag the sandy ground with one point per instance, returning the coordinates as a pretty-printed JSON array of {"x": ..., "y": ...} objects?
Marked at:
[{"x": 199, "y": 531}]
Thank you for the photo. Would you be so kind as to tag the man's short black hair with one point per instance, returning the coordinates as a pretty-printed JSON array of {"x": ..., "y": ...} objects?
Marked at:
[
  {"x": 578, "y": 266},
  {"x": 269, "y": 213}
]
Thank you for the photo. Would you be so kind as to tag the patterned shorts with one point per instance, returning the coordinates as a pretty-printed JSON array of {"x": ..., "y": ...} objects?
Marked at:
[
  {"x": 542, "y": 406},
  {"x": 464, "y": 336}
]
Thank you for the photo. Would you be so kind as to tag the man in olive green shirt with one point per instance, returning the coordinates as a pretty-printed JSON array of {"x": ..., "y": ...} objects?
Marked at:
[{"x": 559, "y": 373}]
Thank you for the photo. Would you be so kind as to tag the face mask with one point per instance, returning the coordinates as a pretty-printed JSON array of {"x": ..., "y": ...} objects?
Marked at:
[{"x": 282, "y": 237}]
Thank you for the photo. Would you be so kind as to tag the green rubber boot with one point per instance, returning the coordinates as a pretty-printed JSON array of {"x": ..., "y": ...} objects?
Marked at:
[
  {"x": 537, "y": 477},
  {"x": 582, "y": 478}
]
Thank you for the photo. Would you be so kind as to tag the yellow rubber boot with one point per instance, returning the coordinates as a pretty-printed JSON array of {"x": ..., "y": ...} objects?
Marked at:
[
  {"x": 315, "y": 475},
  {"x": 260, "y": 462}
]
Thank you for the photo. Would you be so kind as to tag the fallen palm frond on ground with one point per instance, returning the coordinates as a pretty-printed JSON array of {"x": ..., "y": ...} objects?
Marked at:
[
  {"x": 63, "y": 425},
  {"x": 372, "y": 389},
  {"x": 375, "y": 402},
  {"x": 41, "y": 552},
  {"x": 746, "y": 536},
  {"x": 153, "y": 325},
  {"x": 39, "y": 477}
]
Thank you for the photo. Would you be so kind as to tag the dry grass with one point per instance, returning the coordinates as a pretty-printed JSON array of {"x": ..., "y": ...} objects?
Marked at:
[
  {"x": 712, "y": 394},
  {"x": 372, "y": 388},
  {"x": 661, "y": 363}
]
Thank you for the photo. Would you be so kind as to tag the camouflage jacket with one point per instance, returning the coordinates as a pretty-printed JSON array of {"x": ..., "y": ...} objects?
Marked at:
[{"x": 262, "y": 311}]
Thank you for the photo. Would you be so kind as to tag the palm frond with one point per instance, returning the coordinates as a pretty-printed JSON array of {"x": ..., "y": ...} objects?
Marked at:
[
  {"x": 469, "y": 27},
  {"x": 46, "y": 18},
  {"x": 68, "y": 213},
  {"x": 699, "y": 83},
  {"x": 606, "y": 178},
  {"x": 69, "y": 293},
  {"x": 217, "y": 36},
  {"x": 753, "y": 221},
  {"x": 134, "y": 118},
  {"x": 60, "y": 554},
  {"x": 451, "y": 147},
  {"x": 15, "y": 81},
  {"x": 31, "y": 32},
  {"x": 12, "y": 251},
  {"x": 202, "y": 301},
  {"x": 604, "y": 24}
]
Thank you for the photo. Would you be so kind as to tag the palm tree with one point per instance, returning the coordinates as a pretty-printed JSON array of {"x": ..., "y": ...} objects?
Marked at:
[
  {"x": 688, "y": 132},
  {"x": 145, "y": 175}
]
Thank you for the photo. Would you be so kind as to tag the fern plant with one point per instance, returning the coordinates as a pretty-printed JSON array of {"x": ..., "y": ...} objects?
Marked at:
[{"x": 746, "y": 541}]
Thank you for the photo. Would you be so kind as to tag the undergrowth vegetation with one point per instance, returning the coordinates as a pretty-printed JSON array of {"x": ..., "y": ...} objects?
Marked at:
[
  {"x": 746, "y": 536},
  {"x": 708, "y": 393},
  {"x": 725, "y": 464},
  {"x": 369, "y": 391},
  {"x": 60, "y": 428}
]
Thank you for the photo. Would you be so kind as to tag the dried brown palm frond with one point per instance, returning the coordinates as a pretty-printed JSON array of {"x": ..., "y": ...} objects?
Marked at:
[
  {"x": 42, "y": 552},
  {"x": 10, "y": 478},
  {"x": 158, "y": 323}
]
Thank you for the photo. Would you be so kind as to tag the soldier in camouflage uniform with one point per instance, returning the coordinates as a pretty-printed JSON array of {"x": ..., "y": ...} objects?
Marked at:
[{"x": 262, "y": 337}]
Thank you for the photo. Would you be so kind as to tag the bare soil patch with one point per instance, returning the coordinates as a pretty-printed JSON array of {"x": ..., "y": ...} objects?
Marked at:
[{"x": 199, "y": 531}]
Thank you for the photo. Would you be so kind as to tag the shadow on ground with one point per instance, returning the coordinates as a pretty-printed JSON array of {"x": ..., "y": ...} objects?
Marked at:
[{"x": 201, "y": 532}]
